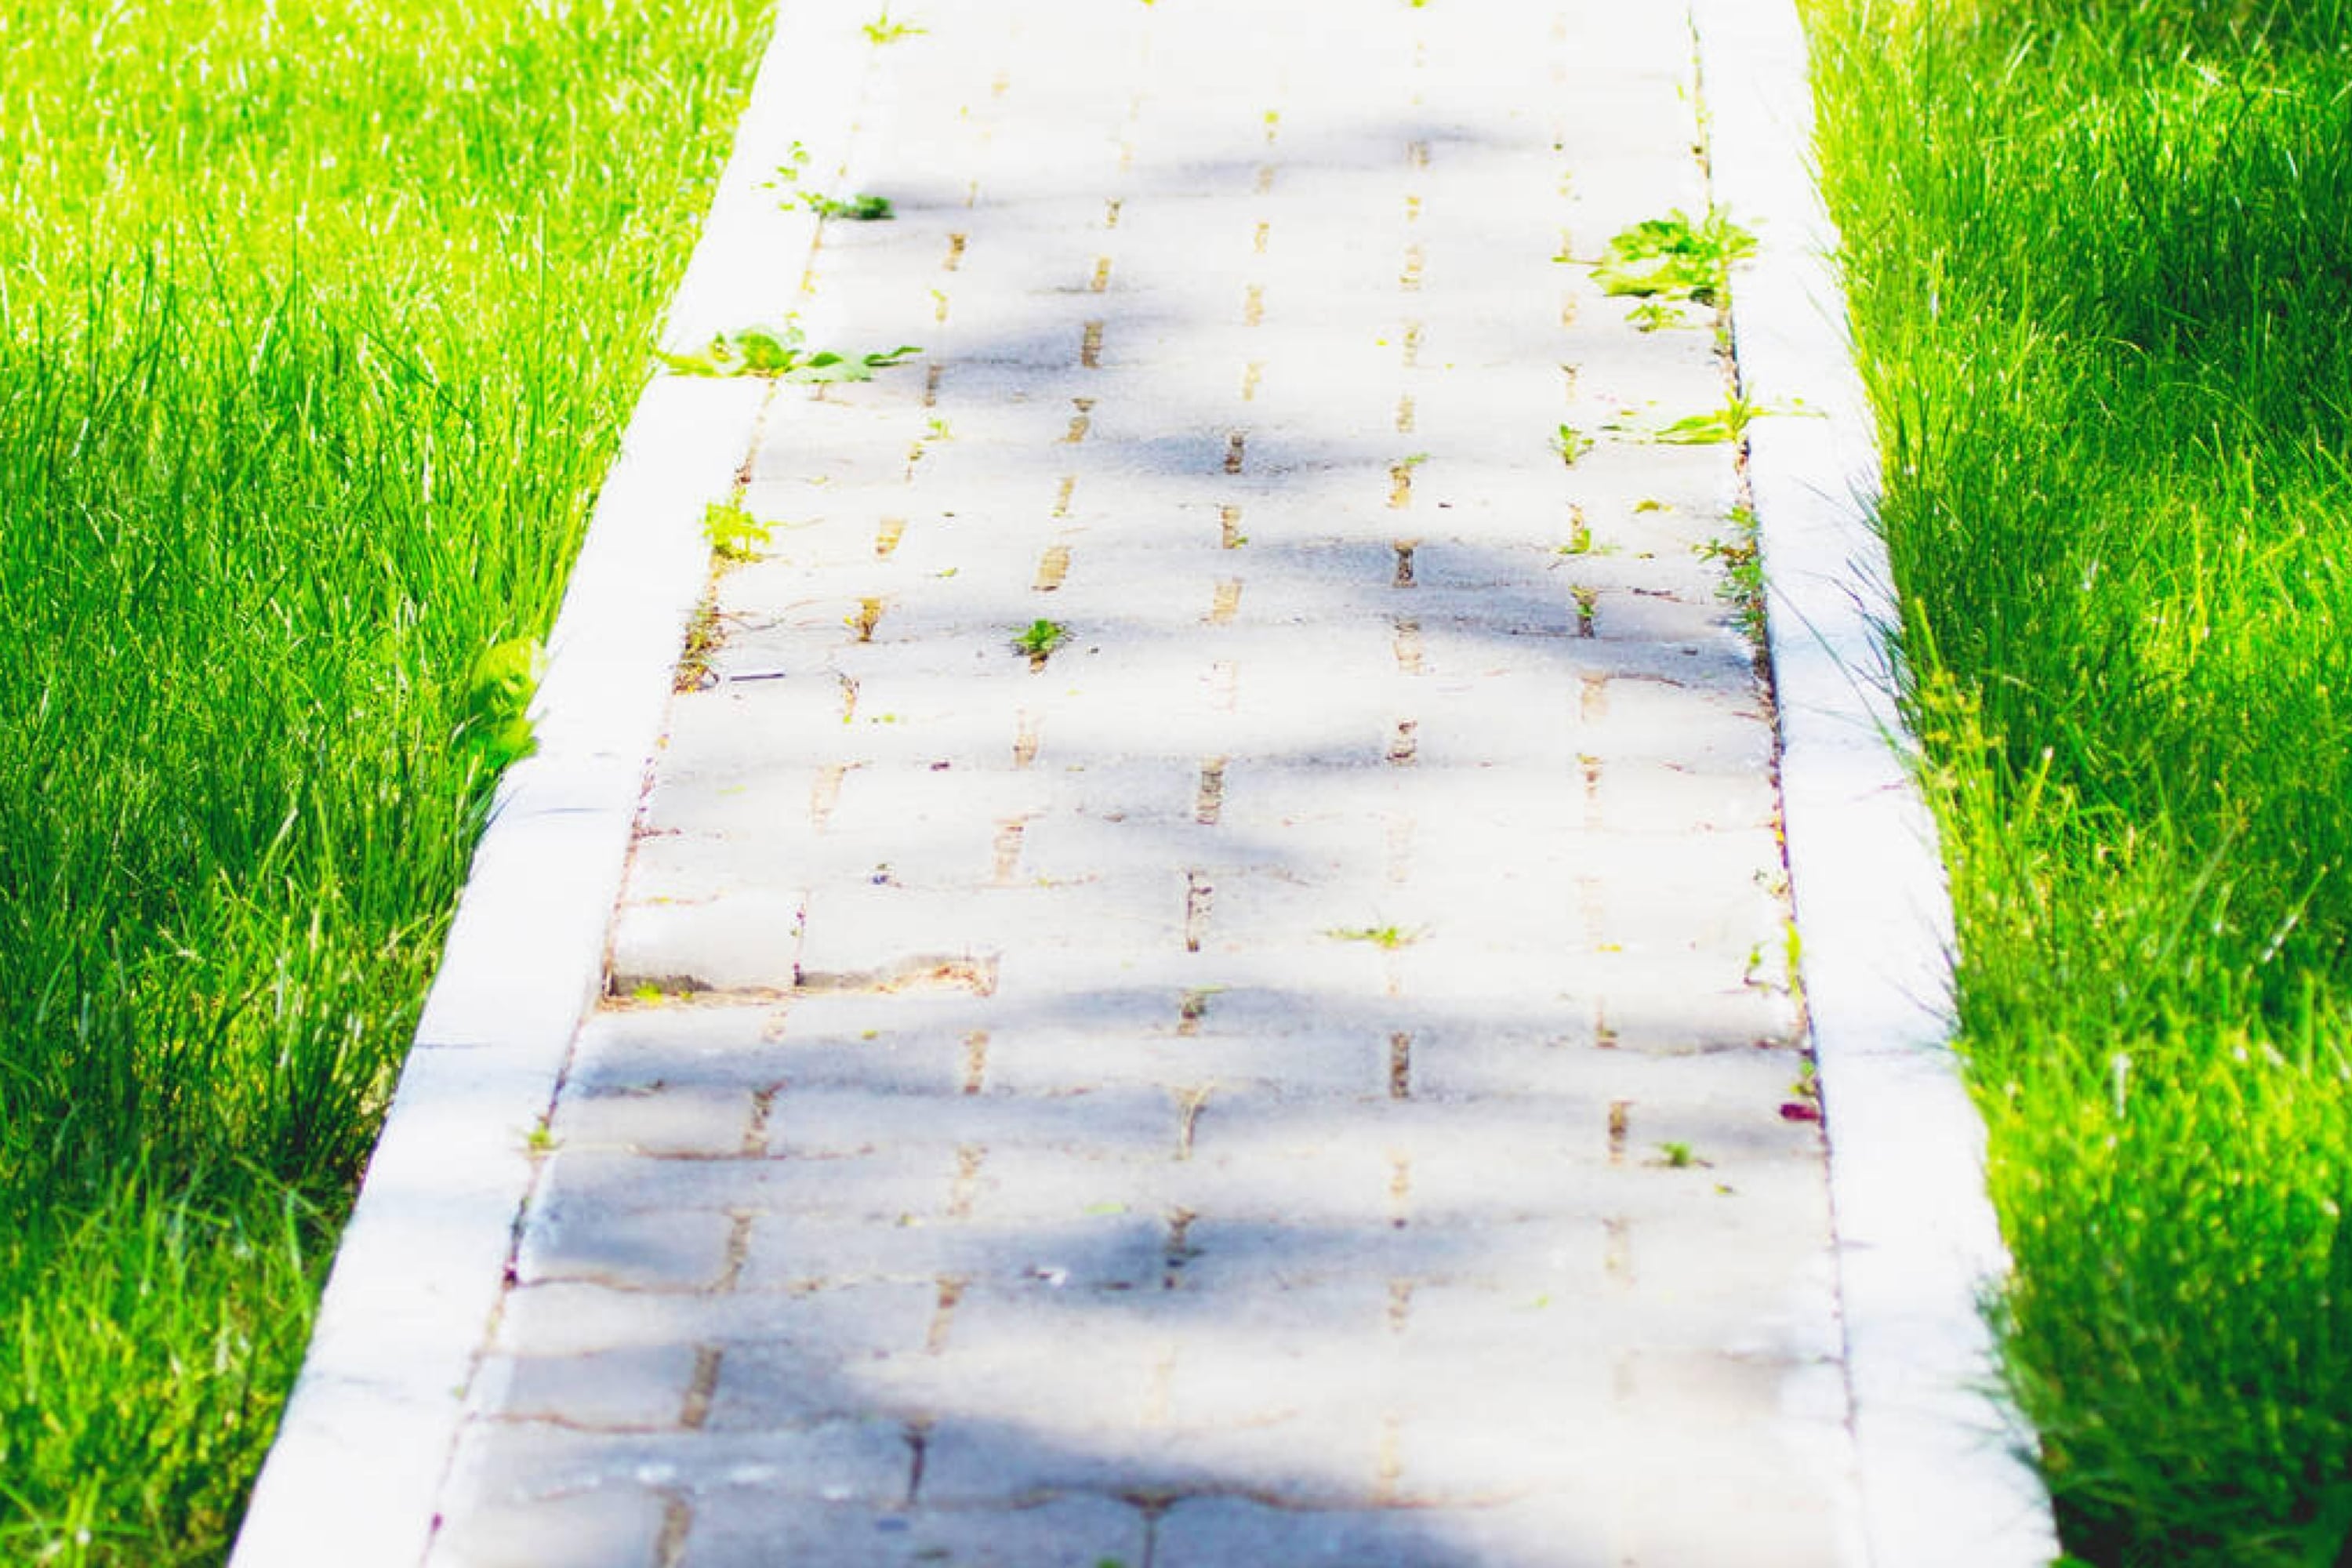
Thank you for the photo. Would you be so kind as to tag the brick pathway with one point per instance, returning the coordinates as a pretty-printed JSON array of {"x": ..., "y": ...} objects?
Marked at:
[{"x": 1296, "y": 1075}]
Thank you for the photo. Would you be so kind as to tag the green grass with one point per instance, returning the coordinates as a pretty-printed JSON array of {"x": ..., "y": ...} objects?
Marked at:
[
  {"x": 2101, "y": 265},
  {"x": 317, "y": 327}
]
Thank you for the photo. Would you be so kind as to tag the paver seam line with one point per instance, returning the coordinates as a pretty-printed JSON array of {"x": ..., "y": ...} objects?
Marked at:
[
  {"x": 1945, "y": 1479},
  {"x": 366, "y": 1435}
]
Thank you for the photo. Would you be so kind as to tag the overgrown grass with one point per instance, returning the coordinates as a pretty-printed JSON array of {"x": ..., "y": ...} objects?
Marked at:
[
  {"x": 318, "y": 324},
  {"x": 2100, "y": 255}
]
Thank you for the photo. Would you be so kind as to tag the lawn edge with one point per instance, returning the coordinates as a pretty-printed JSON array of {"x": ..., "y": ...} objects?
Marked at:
[
  {"x": 1945, "y": 1472},
  {"x": 355, "y": 1471}
]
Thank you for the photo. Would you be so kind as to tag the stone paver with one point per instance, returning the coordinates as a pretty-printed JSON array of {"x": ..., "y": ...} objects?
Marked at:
[{"x": 1302, "y": 1074}]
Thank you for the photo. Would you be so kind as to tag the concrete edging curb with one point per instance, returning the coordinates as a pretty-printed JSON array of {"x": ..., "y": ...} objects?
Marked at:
[
  {"x": 367, "y": 1434},
  {"x": 1944, "y": 1479}
]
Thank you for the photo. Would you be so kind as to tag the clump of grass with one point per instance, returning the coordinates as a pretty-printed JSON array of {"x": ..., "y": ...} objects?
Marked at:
[
  {"x": 298, "y": 417},
  {"x": 2095, "y": 262}
]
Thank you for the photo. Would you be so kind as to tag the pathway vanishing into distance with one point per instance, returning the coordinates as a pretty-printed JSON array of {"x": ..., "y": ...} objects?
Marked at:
[{"x": 1296, "y": 1067}]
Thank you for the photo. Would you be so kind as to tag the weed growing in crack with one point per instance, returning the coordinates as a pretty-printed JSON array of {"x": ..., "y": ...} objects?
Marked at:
[
  {"x": 703, "y": 637},
  {"x": 856, "y": 209},
  {"x": 1715, "y": 427},
  {"x": 861, "y": 208},
  {"x": 1039, "y": 640},
  {"x": 883, "y": 30},
  {"x": 780, "y": 353},
  {"x": 1673, "y": 258},
  {"x": 1388, "y": 938},
  {"x": 1743, "y": 581},
  {"x": 734, "y": 534},
  {"x": 1570, "y": 443},
  {"x": 1652, "y": 315}
]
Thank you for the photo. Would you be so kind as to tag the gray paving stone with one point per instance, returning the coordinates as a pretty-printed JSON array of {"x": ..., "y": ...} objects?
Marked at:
[
  {"x": 510, "y": 1463},
  {"x": 743, "y": 1530},
  {"x": 1308, "y": 1460},
  {"x": 606, "y": 1527},
  {"x": 841, "y": 1327},
  {"x": 686, "y": 1120},
  {"x": 1113, "y": 1248},
  {"x": 625, "y": 1250},
  {"x": 747, "y": 941},
  {"x": 1551, "y": 1532},
  {"x": 641, "y": 1388}
]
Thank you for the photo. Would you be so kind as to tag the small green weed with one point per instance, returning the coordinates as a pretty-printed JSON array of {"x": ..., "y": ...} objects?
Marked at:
[
  {"x": 782, "y": 352},
  {"x": 1570, "y": 443},
  {"x": 856, "y": 209},
  {"x": 703, "y": 637},
  {"x": 1652, "y": 315},
  {"x": 1588, "y": 610},
  {"x": 1039, "y": 641},
  {"x": 883, "y": 30},
  {"x": 1388, "y": 938},
  {"x": 1678, "y": 1156},
  {"x": 734, "y": 534},
  {"x": 1671, "y": 258},
  {"x": 1743, "y": 578},
  {"x": 1714, "y": 428}
]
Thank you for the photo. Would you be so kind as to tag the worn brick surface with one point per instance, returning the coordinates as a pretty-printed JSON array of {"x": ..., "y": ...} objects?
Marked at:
[{"x": 1304, "y": 1074}]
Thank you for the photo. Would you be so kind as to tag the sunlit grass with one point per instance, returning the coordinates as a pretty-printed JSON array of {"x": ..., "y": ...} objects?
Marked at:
[
  {"x": 2101, "y": 262},
  {"x": 317, "y": 327}
]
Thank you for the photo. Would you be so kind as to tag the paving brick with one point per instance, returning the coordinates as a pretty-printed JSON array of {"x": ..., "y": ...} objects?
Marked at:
[
  {"x": 640, "y": 1388},
  {"x": 842, "y": 1326},
  {"x": 606, "y": 1527},
  {"x": 1134, "y": 1122},
  {"x": 1550, "y": 1532},
  {"x": 1113, "y": 1247},
  {"x": 1305, "y": 1460},
  {"x": 684, "y": 1120},
  {"x": 638, "y": 1250},
  {"x": 745, "y": 1530},
  {"x": 745, "y": 942},
  {"x": 509, "y": 1463},
  {"x": 590, "y": 1189}
]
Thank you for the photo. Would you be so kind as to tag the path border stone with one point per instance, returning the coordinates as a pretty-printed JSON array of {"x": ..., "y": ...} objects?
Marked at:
[
  {"x": 1947, "y": 1480},
  {"x": 368, "y": 1432}
]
